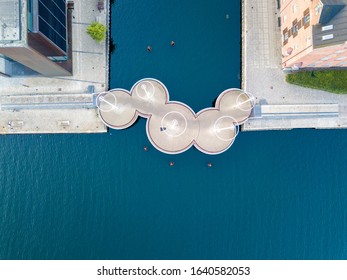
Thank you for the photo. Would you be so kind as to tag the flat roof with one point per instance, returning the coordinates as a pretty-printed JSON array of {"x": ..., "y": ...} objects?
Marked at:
[
  {"x": 10, "y": 25},
  {"x": 337, "y": 33}
]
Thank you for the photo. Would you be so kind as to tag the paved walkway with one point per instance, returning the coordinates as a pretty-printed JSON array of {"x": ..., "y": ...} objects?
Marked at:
[
  {"x": 51, "y": 121},
  {"x": 263, "y": 77}
]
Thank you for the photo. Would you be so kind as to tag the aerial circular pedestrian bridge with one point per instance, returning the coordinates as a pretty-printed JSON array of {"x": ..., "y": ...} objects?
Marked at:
[{"x": 173, "y": 127}]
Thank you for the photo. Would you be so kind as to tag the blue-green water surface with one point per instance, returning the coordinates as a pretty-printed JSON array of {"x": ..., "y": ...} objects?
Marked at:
[{"x": 273, "y": 195}]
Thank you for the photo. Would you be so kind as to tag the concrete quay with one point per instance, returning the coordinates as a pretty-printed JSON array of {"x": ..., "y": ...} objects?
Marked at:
[
  {"x": 290, "y": 106},
  {"x": 61, "y": 104},
  {"x": 54, "y": 100},
  {"x": 28, "y": 121}
]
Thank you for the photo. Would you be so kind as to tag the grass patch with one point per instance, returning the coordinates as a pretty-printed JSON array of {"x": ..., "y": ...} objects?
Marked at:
[{"x": 329, "y": 80}]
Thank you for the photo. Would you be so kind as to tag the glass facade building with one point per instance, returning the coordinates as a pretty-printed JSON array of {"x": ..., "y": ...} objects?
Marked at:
[
  {"x": 52, "y": 21},
  {"x": 48, "y": 18},
  {"x": 35, "y": 38}
]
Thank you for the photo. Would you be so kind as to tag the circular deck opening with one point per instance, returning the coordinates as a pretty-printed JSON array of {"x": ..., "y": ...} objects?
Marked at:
[
  {"x": 225, "y": 128},
  {"x": 145, "y": 90},
  {"x": 106, "y": 102},
  {"x": 245, "y": 102},
  {"x": 174, "y": 124}
]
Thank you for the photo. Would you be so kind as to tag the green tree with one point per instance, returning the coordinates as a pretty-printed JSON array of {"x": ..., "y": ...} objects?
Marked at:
[{"x": 97, "y": 31}]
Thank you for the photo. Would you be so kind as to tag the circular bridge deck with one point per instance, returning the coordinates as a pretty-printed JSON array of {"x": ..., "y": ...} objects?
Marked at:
[{"x": 173, "y": 127}]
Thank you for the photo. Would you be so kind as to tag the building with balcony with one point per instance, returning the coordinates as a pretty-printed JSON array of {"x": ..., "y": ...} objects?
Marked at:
[
  {"x": 35, "y": 38},
  {"x": 314, "y": 33}
]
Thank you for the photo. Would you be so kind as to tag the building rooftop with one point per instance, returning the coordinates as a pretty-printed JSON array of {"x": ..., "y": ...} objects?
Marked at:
[
  {"x": 334, "y": 16},
  {"x": 10, "y": 23},
  {"x": 308, "y": 27},
  {"x": 330, "y": 9}
]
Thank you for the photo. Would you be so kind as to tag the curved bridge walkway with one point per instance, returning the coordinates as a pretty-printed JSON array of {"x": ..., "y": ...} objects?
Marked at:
[{"x": 173, "y": 127}]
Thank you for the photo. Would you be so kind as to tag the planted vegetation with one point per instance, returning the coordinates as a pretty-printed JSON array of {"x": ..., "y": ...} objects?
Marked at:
[
  {"x": 328, "y": 80},
  {"x": 97, "y": 31}
]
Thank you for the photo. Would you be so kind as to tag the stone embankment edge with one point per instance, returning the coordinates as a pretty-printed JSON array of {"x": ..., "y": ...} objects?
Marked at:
[{"x": 108, "y": 40}]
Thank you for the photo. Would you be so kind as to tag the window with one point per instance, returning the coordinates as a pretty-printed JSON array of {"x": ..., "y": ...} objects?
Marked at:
[
  {"x": 327, "y": 27},
  {"x": 286, "y": 36},
  {"x": 295, "y": 28},
  {"x": 318, "y": 9},
  {"x": 327, "y": 37},
  {"x": 284, "y": 18},
  {"x": 295, "y": 8},
  {"x": 52, "y": 21},
  {"x": 57, "y": 58},
  {"x": 30, "y": 16},
  {"x": 306, "y": 18}
]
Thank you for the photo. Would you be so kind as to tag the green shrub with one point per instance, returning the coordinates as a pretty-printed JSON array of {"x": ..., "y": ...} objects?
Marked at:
[
  {"x": 328, "y": 80},
  {"x": 97, "y": 31}
]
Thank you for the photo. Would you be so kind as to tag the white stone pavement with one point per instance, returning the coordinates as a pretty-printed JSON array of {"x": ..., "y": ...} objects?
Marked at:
[{"x": 263, "y": 77}]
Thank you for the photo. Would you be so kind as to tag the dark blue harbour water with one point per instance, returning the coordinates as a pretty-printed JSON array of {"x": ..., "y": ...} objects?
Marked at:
[{"x": 273, "y": 195}]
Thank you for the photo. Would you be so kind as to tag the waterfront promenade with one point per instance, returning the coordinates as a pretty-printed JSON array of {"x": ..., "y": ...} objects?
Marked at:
[
  {"x": 61, "y": 104},
  {"x": 66, "y": 105},
  {"x": 280, "y": 105}
]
